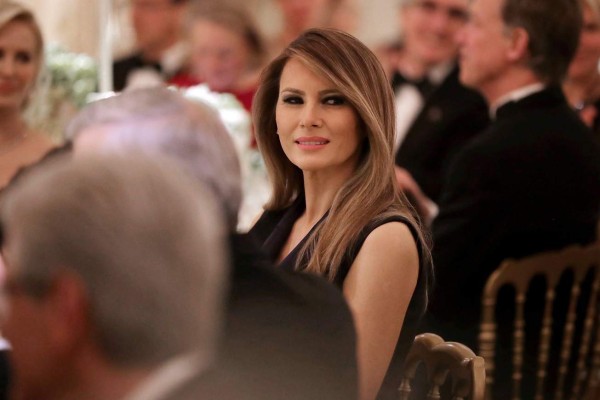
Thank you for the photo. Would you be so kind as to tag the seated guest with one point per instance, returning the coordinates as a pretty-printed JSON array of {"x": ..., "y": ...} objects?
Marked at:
[
  {"x": 582, "y": 84},
  {"x": 22, "y": 57},
  {"x": 436, "y": 114},
  {"x": 226, "y": 51},
  {"x": 116, "y": 273},
  {"x": 324, "y": 120},
  {"x": 159, "y": 52},
  {"x": 288, "y": 336},
  {"x": 528, "y": 183}
]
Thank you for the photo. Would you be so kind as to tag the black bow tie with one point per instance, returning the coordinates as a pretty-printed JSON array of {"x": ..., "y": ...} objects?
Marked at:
[{"x": 424, "y": 85}]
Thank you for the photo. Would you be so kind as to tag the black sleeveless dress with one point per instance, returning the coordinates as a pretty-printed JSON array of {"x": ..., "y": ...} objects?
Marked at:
[{"x": 272, "y": 231}]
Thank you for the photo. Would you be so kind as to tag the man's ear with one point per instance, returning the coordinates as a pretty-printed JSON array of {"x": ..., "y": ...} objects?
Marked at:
[
  {"x": 519, "y": 44},
  {"x": 69, "y": 311}
]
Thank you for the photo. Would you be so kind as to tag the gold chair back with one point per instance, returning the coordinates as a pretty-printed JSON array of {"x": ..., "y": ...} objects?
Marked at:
[
  {"x": 519, "y": 273},
  {"x": 443, "y": 360}
]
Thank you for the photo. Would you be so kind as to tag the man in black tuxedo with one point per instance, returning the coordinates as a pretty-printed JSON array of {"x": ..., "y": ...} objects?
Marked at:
[
  {"x": 528, "y": 183},
  {"x": 436, "y": 114},
  {"x": 159, "y": 52}
]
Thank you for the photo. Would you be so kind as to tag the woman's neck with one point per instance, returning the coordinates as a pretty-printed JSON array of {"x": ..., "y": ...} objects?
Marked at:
[
  {"x": 12, "y": 126},
  {"x": 319, "y": 191}
]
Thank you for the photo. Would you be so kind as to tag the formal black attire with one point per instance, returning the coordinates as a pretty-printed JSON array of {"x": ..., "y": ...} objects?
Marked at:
[
  {"x": 596, "y": 122},
  {"x": 125, "y": 66},
  {"x": 273, "y": 230},
  {"x": 529, "y": 183},
  {"x": 288, "y": 336},
  {"x": 450, "y": 117}
]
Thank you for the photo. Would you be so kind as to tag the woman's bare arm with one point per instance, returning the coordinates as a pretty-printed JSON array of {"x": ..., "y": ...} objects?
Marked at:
[{"x": 378, "y": 288}]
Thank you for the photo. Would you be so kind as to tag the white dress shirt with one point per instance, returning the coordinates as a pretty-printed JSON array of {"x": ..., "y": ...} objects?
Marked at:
[{"x": 168, "y": 377}]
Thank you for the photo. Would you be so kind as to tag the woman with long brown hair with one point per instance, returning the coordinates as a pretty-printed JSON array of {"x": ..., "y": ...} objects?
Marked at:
[{"x": 324, "y": 121}]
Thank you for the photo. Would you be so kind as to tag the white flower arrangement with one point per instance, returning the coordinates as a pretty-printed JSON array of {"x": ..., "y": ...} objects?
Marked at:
[
  {"x": 73, "y": 75},
  {"x": 66, "y": 81},
  {"x": 255, "y": 184}
]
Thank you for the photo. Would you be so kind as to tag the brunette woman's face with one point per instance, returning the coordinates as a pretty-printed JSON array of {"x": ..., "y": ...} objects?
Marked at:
[
  {"x": 585, "y": 63},
  {"x": 220, "y": 56},
  {"x": 19, "y": 61},
  {"x": 318, "y": 128}
]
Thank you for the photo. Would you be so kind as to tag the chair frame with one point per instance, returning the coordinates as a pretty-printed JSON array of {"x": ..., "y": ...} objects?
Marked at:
[
  {"x": 443, "y": 360},
  {"x": 519, "y": 274}
]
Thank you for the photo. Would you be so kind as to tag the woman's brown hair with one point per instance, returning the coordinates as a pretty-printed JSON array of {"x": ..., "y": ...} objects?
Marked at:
[{"x": 371, "y": 193}]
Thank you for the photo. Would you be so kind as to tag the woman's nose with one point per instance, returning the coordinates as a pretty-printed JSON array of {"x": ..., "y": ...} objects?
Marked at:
[
  {"x": 311, "y": 116},
  {"x": 7, "y": 66}
]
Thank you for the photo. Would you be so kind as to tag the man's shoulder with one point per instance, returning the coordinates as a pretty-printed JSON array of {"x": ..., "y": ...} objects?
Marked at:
[{"x": 286, "y": 320}]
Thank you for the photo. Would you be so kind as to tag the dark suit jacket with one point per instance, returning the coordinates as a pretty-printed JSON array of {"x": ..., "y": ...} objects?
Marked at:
[
  {"x": 288, "y": 336},
  {"x": 451, "y": 116},
  {"x": 124, "y": 66},
  {"x": 529, "y": 183}
]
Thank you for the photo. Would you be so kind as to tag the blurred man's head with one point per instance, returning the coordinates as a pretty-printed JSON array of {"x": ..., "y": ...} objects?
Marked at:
[
  {"x": 430, "y": 27},
  {"x": 159, "y": 121},
  {"x": 114, "y": 266},
  {"x": 508, "y": 44},
  {"x": 157, "y": 24}
]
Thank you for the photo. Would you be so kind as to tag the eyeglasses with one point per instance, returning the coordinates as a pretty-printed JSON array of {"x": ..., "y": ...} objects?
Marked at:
[{"x": 456, "y": 14}]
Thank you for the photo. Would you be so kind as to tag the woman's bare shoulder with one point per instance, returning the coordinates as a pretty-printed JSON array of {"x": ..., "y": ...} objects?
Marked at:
[{"x": 392, "y": 238}]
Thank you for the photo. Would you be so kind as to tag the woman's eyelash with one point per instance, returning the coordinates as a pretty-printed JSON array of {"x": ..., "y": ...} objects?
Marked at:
[
  {"x": 292, "y": 99},
  {"x": 334, "y": 100},
  {"x": 328, "y": 100},
  {"x": 24, "y": 57}
]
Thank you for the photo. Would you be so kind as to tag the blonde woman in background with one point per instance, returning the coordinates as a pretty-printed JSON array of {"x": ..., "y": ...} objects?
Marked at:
[
  {"x": 21, "y": 61},
  {"x": 582, "y": 85}
]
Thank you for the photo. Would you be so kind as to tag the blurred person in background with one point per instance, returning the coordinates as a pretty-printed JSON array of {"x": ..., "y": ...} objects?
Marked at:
[
  {"x": 299, "y": 15},
  {"x": 288, "y": 335},
  {"x": 529, "y": 183},
  {"x": 159, "y": 52},
  {"x": 582, "y": 84},
  {"x": 116, "y": 278},
  {"x": 226, "y": 50},
  {"x": 21, "y": 63},
  {"x": 435, "y": 114}
]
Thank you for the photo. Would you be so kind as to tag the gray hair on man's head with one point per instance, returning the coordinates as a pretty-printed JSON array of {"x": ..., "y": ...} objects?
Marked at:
[
  {"x": 147, "y": 242},
  {"x": 162, "y": 121}
]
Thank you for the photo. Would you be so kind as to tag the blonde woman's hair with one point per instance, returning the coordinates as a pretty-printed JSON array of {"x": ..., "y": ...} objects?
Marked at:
[
  {"x": 14, "y": 12},
  {"x": 11, "y": 11},
  {"x": 371, "y": 193}
]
